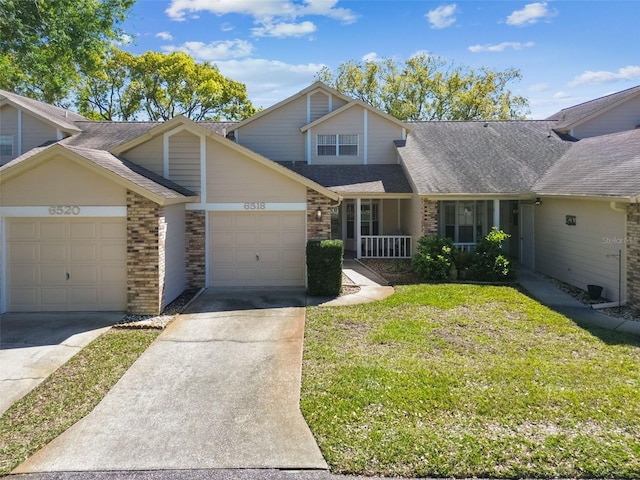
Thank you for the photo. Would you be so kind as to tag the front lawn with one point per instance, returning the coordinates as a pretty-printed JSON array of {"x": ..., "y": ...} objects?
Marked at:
[{"x": 470, "y": 380}]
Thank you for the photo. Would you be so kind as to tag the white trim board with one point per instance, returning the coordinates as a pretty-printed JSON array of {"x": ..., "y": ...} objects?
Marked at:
[
  {"x": 68, "y": 211},
  {"x": 249, "y": 207}
]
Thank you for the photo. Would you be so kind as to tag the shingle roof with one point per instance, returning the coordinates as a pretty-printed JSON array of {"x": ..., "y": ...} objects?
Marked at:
[
  {"x": 130, "y": 171},
  {"x": 378, "y": 179},
  {"x": 607, "y": 165},
  {"x": 63, "y": 118},
  {"x": 572, "y": 116},
  {"x": 494, "y": 157},
  {"x": 108, "y": 135}
]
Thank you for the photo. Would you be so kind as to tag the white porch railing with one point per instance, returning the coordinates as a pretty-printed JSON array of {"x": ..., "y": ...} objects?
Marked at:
[
  {"x": 386, "y": 246},
  {"x": 465, "y": 247}
]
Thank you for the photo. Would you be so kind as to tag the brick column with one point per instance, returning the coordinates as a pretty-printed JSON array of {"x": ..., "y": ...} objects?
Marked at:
[
  {"x": 633, "y": 255},
  {"x": 195, "y": 240},
  {"x": 429, "y": 217},
  {"x": 144, "y": 248},
  {"x": 318, "y": 230}
]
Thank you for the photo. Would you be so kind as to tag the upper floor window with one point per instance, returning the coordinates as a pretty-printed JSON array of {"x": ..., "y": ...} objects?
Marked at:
[
  {"x": 6, "y": 145},
  {"x": 337, "y": 145}
]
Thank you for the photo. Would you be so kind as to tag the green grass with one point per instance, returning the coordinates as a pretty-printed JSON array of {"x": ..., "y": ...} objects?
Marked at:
[
  {"x": 470, "y": 380},
  {"x": 69, "y": 394}
]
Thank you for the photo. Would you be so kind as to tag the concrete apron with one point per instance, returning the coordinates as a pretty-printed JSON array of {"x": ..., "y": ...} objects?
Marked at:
[{"x": 218, "y": 389}]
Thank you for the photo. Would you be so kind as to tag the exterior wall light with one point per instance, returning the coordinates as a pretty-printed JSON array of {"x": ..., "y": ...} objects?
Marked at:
[
  {"x": 319, "y": 214},
  {"x": 538, "y": 201}
]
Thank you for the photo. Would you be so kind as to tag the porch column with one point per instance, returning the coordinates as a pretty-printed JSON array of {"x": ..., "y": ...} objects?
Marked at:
[
  {"x": 357, "y": 229},
  {"x": 496, "y": 214}
]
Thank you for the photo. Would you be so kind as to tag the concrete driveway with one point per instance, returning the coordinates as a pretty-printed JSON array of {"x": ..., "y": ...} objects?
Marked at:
[
  {"x": 33, "y": 345},
  {"x": 219, "y": 388}
]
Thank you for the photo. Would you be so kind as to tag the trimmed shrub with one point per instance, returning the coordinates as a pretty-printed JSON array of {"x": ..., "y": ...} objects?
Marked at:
[
  {"x": 434, "y": 259},
  {"x": 324, "y": 267},
  {"x": 489, "y": 263}
]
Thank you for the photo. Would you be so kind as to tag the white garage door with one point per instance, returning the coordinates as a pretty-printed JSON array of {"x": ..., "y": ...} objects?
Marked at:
[
  {"x": 257, "y": 249},
  {"x": 70, "y": 264}
]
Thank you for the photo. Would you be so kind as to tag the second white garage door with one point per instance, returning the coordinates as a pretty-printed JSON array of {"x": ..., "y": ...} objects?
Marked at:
[{"x": 257, "y": 249}]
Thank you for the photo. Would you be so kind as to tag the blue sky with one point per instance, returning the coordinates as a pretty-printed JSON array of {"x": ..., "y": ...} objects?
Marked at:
[{"x": 567, "y": 51}]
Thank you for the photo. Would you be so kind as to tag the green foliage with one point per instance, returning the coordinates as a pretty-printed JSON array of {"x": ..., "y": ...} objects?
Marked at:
[
  {"x": 489, "y": 262},
  {"x": 45, "y": 44},
  {"x": 434, "y": 258},
  {"x": 427, "y": 87},
  {"x": 158, "y": 86},
  {"x": 324, "y": 267}
]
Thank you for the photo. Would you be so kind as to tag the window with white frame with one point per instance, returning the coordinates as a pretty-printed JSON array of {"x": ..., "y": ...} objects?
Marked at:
[
  {"x": 337, "y": 145},
  {"x": 6, "y": 145},
  {"x": 465, "y": 222}
]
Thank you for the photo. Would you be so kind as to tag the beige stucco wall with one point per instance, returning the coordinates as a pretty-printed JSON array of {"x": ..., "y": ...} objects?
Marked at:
[
  {"x": 148, "y": 155},
  {"x": 232, "y": 177},
  {"x": 578, "y": 254},
  {"x": 382, "y": 133},
  {"x": 184, "y": 160},
  {"x": 350, "y": 122},
  {"x": 60, "y": 181}
]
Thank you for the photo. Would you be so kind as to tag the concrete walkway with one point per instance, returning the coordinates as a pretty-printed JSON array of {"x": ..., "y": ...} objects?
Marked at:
[
  {"x": 219, "y": 388},
  {"x": 372, "y": 287},
  {"x": 550, "y": 295},
  {"x": 34, "y": 345}
]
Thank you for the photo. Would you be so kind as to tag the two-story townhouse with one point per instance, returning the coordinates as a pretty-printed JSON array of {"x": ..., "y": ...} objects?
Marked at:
[{"x": 124, "y": 216}]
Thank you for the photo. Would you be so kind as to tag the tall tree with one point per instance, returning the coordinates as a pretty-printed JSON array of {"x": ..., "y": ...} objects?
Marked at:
[
  {"x": 427, "y": 87},
  {"x": 44, "y": 44},
  {"x": 158, "y": 86}
]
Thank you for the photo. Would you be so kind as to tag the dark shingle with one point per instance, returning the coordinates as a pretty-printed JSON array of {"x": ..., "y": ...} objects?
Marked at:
[
  {"x": 494, "y": 157},
  {"x": 64, "y": 118},
  {"x": 354, "y": 178},
  {"x": 599, "y": 166},
  {"x": 571, "y": 116}
]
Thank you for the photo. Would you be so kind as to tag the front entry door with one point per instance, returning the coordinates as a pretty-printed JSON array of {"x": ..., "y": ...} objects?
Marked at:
[{"x": 527, "y": 236}]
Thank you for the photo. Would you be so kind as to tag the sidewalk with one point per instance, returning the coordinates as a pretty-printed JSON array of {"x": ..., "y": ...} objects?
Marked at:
[
  {"x": 551, "y": 296},
  {"x": 372, "y": 287}
]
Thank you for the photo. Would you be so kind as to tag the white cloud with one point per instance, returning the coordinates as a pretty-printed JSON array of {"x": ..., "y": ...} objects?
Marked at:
[
  {"x": 630, "y": 72},
  {"x": 370, "y": 57},
  {"x": 227, "y": 27},
  {"x": 164, "y": 36},
  {"x": 214, "y": 51},
  {"x": 284, "y": 29},
  {"x": 539, "y": 87},
  {"x": 530, "y": 14},
  {"x": 500, "y": 47},
  {"x": 269, "y": 81},
  {"x": 261, "y": 10},
  {"x": 124, "y": 40},
  {"x": 443, "y": 16}
]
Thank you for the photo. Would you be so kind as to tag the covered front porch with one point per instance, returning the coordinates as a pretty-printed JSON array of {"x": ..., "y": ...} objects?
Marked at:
[
  {"x": 374, "y": 227},
  {"x": 390, "y": 227}
]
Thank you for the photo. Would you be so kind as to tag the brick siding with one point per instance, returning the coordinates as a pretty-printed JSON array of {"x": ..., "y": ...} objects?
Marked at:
[
  {"x": 318, "y": 230},
  {"x": 429, "y": 217},
  {"x": 633, "y": 255},
  {"x": 144, "y": 254},
  {"x": 195, "y": 240}
]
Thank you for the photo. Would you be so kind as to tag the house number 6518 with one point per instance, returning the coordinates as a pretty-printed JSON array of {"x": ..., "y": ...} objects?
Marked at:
[
  {"x": 255, "y": 206},
  {"x": 64, "y": 210}
]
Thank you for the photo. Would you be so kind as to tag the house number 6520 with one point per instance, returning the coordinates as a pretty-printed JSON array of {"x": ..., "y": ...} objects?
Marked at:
[
  {"x": 255, "y": 206},
  {"x": 64, "y": 210}
]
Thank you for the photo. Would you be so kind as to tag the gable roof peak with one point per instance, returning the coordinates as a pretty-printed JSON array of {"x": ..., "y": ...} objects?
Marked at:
[{"x": 58, "y": 116}]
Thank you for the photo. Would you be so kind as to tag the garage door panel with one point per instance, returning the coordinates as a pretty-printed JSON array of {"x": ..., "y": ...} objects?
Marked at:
[
  {"x": 53, "y": 274},
  {"x": 23, "y": 252},
  {"x": 52, "y": 231},
  {"x": 278, "y": 238},
  {"x": 84, "y": 253},
  {"x": 24, "y": 275},
  {"x": 23, "y": 230},
  {"x": 83, "y": 231},
  {"x": 53, "y": 252},
  {"x": 96, "y": 267}
]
